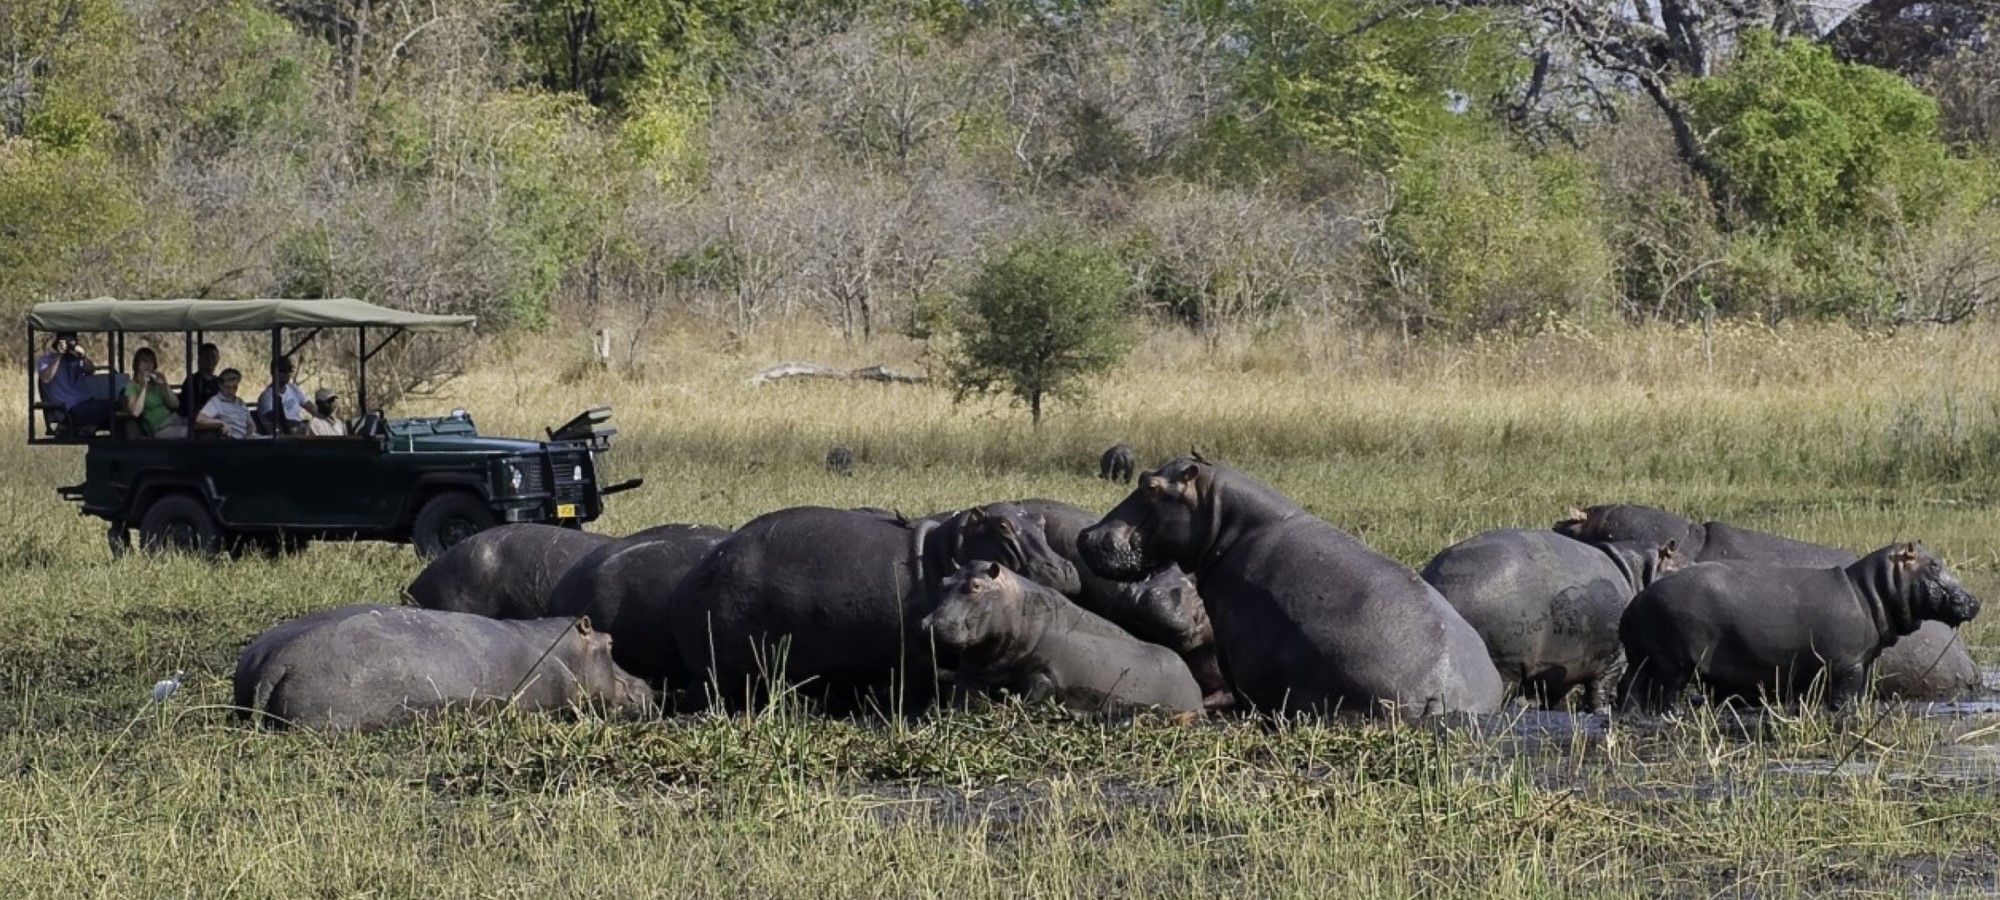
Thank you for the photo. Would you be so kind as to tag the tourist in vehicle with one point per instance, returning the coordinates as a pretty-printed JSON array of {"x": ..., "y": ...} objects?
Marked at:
[
  {"x": 64, "y": 376},
  {"x": 148, "y": 399},
  {"x": 284, "y": 397},
  {"x": 226, "y": 410},
  {"x": 320, "y": 420},
  {"x": 201, "y": 385}
]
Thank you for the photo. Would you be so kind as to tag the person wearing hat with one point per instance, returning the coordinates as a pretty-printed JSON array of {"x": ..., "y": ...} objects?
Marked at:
[
  {"x": 285, "y": 397},
  {"x": 320, "y": 420},
  {"x": 63, "y": 375}
]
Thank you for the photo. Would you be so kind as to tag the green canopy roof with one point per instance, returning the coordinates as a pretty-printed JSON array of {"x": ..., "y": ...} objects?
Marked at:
[{"x": 106, "y": 314}]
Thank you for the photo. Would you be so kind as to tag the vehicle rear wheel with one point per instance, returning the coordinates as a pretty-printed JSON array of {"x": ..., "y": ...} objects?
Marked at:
[
  {"x": 180, "y": 523},
  {"x": 447, "y": 519}
]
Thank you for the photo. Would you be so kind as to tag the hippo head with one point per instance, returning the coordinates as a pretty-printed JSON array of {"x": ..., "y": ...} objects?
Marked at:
[
  {"x": 978, "y": 600},
  {"x": 600, "y": 679},
  {"x": 1933, "y": 592},
  {"x": 1015, "y": 538},
  {"x": 1623, "y": 522},
  {"x": 1154, "y": 525},
  {"x": 1171, "y": 610}
]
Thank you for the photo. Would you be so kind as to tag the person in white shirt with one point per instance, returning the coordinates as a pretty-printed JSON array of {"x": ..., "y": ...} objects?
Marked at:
[
  {"x": 293, "y": 397},
  {"x": 225, "y": 409},
  {"x": 320, "y": 420}
]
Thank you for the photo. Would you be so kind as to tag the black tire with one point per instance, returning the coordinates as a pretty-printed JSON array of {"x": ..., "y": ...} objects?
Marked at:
[
  {"x": 448, "y": 518},
  {"x": 179, "y": 523}
]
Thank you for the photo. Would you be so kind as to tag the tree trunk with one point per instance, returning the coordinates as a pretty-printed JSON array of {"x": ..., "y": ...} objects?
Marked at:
[{"x": 1035, "y": 408}]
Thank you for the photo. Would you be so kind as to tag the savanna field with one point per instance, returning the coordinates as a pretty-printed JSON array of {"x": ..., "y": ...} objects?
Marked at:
[{"x": 1827, "y": 434}]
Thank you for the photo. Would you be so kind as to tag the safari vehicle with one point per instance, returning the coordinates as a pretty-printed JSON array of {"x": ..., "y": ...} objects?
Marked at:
[{"x": 430, "y": 482}]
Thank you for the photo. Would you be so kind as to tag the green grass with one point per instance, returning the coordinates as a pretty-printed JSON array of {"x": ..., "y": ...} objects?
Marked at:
[{"x": 1830, "y": 436}]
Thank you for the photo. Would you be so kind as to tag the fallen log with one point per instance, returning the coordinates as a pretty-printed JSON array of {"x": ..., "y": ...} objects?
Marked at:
[{"x": 877, "y": 372}]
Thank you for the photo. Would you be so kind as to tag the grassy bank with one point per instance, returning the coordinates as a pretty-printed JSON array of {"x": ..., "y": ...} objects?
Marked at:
[{"x": 1829, "y": 435}]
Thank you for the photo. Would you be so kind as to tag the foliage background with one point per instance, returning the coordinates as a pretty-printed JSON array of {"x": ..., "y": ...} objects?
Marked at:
[{"x": 1424, "y": 167}]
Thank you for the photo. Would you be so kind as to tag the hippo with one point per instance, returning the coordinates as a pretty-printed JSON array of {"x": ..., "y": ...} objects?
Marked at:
[
  {"x": 1010, "y": 634},
  {"x": 1932, "y": 664},
  {"x": 840, "y": 593},
  {"x": 368, "y": 665},
  {"x": 1548, "y": 606},
  {"x": 1116, "y": 464},
  {"x": 504, "y": 572},
  {"x": 1306, "y": 617},
  {"x": 623, "y": 587},
  {"x": 1756, "y": 632},
  {"x": 1162, "y": 607},
  {"x": 840, "y": 461}
]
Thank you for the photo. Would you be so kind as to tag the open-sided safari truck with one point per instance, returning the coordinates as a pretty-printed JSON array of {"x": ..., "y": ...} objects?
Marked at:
[{"x": 428, "y": 481}]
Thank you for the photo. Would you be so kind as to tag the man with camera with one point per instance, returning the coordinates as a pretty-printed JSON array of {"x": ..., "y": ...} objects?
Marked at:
[{"x": 64, "y": 375}]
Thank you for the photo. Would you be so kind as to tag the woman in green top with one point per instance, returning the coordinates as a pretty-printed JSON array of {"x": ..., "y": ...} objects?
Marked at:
[{"x": 149, "y": 400}]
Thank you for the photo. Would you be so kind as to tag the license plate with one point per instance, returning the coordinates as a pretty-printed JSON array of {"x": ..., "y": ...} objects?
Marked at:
[{"x": 565, "y": 510}]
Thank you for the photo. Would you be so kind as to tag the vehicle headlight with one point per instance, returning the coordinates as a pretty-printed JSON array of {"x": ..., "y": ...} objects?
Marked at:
[
  {"x": 515, "y": 478},
  {"x": 577, "y": 474}
]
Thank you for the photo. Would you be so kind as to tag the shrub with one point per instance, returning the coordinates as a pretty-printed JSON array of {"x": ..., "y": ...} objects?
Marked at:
[{"x": 1040, "y": 318}]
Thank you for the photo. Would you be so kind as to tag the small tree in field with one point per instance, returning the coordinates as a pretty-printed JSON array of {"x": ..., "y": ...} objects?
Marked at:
[{"x": 1040, "y": 319}]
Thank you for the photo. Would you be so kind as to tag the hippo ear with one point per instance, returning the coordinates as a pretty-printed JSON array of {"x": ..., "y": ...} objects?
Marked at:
[
  {"x": 1577, "y": 515},
  {"x": 583, "y": 625},
  {"x": 992, "y": 571},
  {"x": 1667, "y": 552},
  {"x": 1186, "y": 475},
  {"x": 1905, "y": 554}
]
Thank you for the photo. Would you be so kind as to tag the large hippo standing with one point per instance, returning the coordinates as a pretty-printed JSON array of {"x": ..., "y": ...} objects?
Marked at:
[
  {"x": 833, "y": 598},
  {"x": 1010, "y": 634},
  {"x": 366, "y": 666},
  {"x": 1306, "y": 616},
  {"x": 1932, "y": 664},
  {"x": 502, "y": 573},
  {"x": 1755, "y": 632},
  {"x": 623, "y": 587},
  {"x": 1163, "y": 607},
  {"x": 1548, "y": 606}
]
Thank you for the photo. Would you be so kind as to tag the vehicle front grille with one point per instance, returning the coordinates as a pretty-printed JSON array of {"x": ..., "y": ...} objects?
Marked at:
[{"x": 568, "y": 487}]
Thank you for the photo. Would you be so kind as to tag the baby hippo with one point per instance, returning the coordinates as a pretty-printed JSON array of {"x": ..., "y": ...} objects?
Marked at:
[
  {"x": 366, "y": 666},
  {"x": 1011, "y": 634},
  {"x": 1750, "y": 632},
  {"x": 1165, "y": 609}
]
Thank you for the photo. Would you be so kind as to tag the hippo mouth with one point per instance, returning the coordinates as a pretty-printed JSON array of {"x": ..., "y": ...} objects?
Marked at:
[
  {"x": 1116, "y": 553},
  {"x": 1951, "y": 604}
]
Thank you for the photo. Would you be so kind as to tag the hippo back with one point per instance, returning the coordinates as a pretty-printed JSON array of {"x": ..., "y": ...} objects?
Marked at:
[
  {"x": 502, "y": 573},
  {"x": 363, "y": 667},
  {"x": 623, "y": 587},
  {"x": 836, "y": 592}
]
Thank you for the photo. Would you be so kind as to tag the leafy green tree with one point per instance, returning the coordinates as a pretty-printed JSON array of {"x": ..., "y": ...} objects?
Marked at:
[
  {"x": 1370, "y": 80},
  {"x": 1040, "y": 319},
  {"x": 1802, "y": 140}
]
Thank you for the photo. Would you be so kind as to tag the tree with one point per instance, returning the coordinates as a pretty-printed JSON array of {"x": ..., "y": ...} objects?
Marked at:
[{"x": 1040, "y": 319}]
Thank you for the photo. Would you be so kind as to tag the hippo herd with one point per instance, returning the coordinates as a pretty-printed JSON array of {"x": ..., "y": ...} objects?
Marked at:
[{"x": 1203, "y": 590}]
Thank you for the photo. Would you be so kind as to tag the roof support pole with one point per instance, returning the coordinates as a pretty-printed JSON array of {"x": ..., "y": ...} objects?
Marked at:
[{"x": 361, "y": 363}]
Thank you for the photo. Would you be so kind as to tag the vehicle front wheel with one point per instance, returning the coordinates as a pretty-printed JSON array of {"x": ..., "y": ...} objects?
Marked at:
[
  {"x": 179, "y": 522},
  {"x": 447, "y": 519}
]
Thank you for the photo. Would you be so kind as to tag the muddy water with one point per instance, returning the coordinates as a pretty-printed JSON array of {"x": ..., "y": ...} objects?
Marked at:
[{"x": 1554, "y": 748}]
